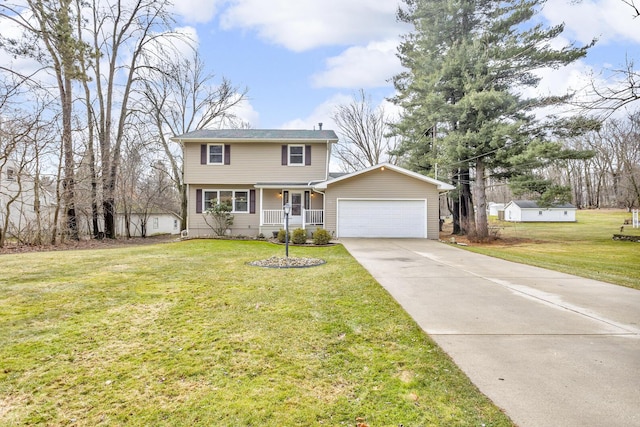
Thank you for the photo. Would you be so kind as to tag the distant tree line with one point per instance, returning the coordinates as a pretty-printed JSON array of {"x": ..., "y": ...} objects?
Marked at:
[{"x": 89, "y": 126}]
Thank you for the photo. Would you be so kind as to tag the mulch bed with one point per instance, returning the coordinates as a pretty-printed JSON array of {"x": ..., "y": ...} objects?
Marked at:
[{"x": 12, "y": 248}]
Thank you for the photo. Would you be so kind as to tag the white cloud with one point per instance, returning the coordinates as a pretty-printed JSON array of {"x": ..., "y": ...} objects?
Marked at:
[
  {"x": 361, "y": 67},
  {"x": 606, "y": 20},
  {"x": 245, "y": 112},
  {"x": 306, "y": 24},
  {"x": 197, "y": 11},
  {"x": 321, "y": 114}
]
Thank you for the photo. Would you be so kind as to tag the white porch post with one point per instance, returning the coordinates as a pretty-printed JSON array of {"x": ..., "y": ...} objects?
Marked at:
[
  {"x": 261, "y": 209},
  {"x": 304, "y": 217}
]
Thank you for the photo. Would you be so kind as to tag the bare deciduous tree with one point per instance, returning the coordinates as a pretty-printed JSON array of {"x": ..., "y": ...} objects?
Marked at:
[
  {"x": 179, "y": 97},
  {"x": 49, "y": 38},
  {"x": 363, "y": 129},
  {"x": 131, "y": 30}
]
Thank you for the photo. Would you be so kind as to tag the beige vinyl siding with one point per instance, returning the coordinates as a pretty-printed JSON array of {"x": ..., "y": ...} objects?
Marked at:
[
  {"x": 383, "y": 184},
  {"x": 254, "y": 162},
  {"x": 245, "y": 224},
  {"x": 271, "y": 199},
  {"x": 316, "y": 201}
]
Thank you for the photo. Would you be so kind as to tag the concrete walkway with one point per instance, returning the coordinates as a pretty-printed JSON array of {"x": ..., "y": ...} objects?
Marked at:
[{"x": 548, "y": 348}]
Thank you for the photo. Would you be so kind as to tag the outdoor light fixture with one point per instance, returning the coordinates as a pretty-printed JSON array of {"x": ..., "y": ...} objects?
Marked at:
[{"x": 287, "y": 209}]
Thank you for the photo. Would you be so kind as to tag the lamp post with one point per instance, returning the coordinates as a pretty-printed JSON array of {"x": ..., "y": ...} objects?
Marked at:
[{"x": 287, "y": 210}]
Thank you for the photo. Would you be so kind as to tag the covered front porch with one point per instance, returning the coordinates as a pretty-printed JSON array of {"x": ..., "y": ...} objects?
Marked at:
[{"x": 307, "y": 207}]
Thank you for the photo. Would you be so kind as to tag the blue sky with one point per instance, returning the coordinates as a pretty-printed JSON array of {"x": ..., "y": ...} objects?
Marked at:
[{"x": 300, "y": 58}]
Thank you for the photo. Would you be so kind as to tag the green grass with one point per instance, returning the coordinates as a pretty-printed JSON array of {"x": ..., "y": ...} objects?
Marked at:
[
  {"x": 584, "y": 248},
  {"x": 187, "y": 334}
]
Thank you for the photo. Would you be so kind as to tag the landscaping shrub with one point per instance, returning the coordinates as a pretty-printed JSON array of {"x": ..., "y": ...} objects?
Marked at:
[
  {"x": 282, "y": 235},
  {"x": 299, "y": 236},
  {"x": 220, "y": 217},
  {"x": 321, "y": 237}
]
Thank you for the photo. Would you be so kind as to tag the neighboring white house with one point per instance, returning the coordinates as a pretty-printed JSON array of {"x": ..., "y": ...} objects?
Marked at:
[
  {"x": 18, "y": 200},
  {"x": 156, "y": 223},
  {"x": 529, "y": 211}
]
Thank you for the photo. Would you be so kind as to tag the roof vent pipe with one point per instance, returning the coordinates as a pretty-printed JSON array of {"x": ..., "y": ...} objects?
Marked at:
[{"x": 320, "y": 126}]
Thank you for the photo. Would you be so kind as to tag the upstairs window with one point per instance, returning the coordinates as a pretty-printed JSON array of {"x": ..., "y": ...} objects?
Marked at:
[
  {"x": 11, "y": 174},
  {"x": 216, "y": 154},
  {"x": 296, "y": 154}
]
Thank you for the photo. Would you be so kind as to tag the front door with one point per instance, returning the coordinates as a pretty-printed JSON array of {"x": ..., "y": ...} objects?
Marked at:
[{"x": 296, "y": 207}]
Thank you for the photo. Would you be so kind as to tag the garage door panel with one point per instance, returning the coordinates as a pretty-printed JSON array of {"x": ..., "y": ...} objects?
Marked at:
[{"x": 382, "y": 218}]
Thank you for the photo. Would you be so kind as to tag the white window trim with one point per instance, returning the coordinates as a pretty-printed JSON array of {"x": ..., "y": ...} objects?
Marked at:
[
  {"x": 233, "y": 199},
  {"x": 289, "y": 155},
  {"x": 209, "y": 162}
]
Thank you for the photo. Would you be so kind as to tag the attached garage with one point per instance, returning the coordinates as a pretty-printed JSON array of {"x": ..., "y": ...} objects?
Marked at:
[
  {"x": 383, "y": 201},
  {"x": 382, "y": 218}
]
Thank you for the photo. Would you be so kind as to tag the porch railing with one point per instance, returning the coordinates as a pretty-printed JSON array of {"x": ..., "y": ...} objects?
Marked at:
[
  {"x": 313, "y": 216},
  {"x": 272, "y": 217},
  {"x": 309, "y": 217}
]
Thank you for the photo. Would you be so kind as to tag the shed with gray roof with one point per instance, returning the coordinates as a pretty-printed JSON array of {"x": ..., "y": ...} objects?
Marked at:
[{"x": 531, "y": 211}]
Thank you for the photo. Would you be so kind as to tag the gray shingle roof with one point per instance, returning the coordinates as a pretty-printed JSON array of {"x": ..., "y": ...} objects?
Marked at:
[
  {"x": 259, "y": 135},
  {"x": 530, "y": 204}
]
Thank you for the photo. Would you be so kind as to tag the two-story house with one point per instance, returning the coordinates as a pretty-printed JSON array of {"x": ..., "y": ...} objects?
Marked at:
[{"x": 258, "y": 171}]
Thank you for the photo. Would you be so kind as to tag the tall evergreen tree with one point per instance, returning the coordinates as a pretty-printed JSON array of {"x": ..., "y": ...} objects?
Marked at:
[{"x": 467, "y": 63}]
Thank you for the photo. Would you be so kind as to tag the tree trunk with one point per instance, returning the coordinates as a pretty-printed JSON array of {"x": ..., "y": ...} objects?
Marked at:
[
  {"x": 184, "y": 207},
  {"x": 467, "y": 221},
  {"x": 454, "y": 206},
  {"x": 108, "y": 208},
  {"x": 69, "y": 182},
  {"x": 56, "y": 211},
  {"x": 482, "y": 226}
]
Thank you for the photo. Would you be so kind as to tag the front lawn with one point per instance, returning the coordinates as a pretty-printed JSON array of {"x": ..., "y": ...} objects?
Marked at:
[
  {"x": 185, "y": 334},
  {"x": 584, "y": 248}
]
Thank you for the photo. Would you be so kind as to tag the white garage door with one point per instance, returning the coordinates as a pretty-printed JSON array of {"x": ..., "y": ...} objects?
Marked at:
[{"x": 382, "y": 218}]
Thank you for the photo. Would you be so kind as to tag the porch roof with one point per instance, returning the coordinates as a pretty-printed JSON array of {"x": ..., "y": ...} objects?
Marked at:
[{"x": 281, "y": 185}]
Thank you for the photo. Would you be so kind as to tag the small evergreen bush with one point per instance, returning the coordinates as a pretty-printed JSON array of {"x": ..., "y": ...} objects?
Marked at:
[
  {"x": 282, "y": 235},
  {"x": 321, "y": 237},
  {"x": 299, "y": 236}
]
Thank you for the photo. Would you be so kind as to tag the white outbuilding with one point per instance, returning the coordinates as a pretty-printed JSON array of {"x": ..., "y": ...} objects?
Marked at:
[
  {"x": 495, "y": 208},
  {"x": 530, "y": 211}
]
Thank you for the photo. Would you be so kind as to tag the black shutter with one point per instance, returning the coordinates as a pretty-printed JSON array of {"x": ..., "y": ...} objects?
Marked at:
[
  {"x": 252, "y": 201},
  {"x": 285, "y": 197},
  {"x": 307, "y": 155},
  {"x": 307, "y": 199},
  {"x": 285, "y": 155},
  {"x": 203, "y": 154},
  {"x": 227, "y": 154},
  {"x": 198, "y": 201}
]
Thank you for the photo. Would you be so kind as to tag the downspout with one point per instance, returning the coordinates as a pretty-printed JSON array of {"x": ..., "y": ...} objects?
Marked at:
[
  {"x": 324, "y": 205},
  {"x": 183, "y": 234}
]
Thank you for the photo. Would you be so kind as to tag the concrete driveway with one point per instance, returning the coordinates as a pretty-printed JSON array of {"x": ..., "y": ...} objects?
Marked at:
[{"x": 548, "y": 348}]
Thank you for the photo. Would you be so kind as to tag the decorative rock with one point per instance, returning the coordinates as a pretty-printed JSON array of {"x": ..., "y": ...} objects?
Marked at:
[{"x": 291, "y": 262}]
